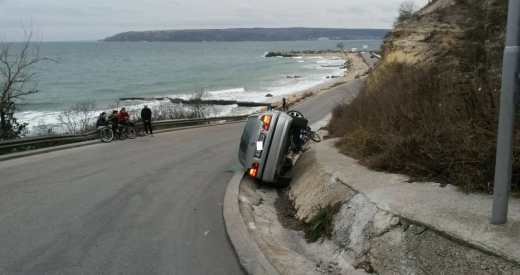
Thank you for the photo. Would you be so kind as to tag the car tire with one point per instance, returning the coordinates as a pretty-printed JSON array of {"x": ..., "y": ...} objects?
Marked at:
[
  {"x": 287, "y": 166},
  {"x": 282, "y": 182}
]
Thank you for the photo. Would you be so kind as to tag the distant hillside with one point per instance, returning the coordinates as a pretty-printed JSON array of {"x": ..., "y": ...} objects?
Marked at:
[{"x": 251, "y": 34}]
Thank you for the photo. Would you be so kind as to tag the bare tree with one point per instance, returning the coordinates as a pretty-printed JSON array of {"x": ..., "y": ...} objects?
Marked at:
[
  {"x": 16, "y": 81},
  {"x": 406, "y": 10},
  {"x": 199, "y": 110},
  {"x": 45, "y": 129},
  {"x": 115, "y": 105},
  {"x": 216, "y": 110},
  {"x": 77, "y": 119},
  {"x": 340, "y": 46}
]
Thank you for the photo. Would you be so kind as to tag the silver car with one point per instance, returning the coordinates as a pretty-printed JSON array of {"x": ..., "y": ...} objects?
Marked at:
[{"x": 265, "y": 144}]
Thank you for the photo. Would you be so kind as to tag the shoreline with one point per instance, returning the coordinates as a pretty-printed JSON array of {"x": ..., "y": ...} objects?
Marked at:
[
  {"x": 357, "y": 68},
  {"x": 48, "y": 120}
]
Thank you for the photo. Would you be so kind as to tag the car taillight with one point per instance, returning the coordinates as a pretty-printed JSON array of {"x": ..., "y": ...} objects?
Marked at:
[
  {"x": 252, "y": 171},
  {"x": 266, "y": 119}
]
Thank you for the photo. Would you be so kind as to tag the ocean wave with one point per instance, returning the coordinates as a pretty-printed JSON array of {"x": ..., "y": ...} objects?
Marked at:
[
  {"x": 283, "y": 87},
  {"x": 226, "y": 91}
]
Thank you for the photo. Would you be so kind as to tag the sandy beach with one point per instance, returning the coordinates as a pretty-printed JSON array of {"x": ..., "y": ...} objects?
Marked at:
[{"x": 357, "y": 67}]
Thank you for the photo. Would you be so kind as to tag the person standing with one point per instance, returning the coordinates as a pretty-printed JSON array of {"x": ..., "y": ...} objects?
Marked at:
[
  {"x": 284, "y": 102},
  {"x": 146, "y": 115}
]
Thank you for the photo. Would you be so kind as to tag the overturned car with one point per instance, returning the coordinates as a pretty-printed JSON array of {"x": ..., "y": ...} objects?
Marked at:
[{"x": 266, "y": 143}]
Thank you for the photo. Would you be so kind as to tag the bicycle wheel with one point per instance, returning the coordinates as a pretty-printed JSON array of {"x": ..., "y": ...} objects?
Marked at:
[
  {"x": 121, "y": 134},
  {"x": 130, "y": 132},
  {"x": 314, "y": 136},
  {"x": 139, "y": 131},
  {"x": 106, "y": 135},
  {"x": 295, "y": 113}
]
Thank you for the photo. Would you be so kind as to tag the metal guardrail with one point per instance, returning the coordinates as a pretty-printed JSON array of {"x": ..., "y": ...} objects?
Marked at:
[{"x": 45, "y": 141}]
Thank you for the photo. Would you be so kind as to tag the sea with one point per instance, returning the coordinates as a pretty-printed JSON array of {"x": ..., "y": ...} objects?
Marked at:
[{"x": 107, "y": 71}]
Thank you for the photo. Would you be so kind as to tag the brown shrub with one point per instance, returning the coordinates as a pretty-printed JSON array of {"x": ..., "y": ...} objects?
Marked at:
[
  {"x": 435, "y": 121},
  {"x": 428, "y": 123}
]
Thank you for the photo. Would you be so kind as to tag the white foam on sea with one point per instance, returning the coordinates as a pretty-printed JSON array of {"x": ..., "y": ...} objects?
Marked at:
[
  {"x": 227, "y": 91},
  {"x": 284, "y": 86}
]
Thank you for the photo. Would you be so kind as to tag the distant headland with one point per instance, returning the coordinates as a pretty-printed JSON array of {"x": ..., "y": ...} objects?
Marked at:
[{"x": 248, "y": 34}]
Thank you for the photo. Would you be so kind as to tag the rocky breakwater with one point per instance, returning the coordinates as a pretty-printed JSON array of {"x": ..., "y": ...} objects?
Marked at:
[
  {"x": 204, "y": 101},
  {"x": 280, "y": 54},
  {"x": 300, "y": 53}
]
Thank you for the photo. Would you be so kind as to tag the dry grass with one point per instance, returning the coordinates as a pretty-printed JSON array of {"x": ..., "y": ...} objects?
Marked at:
[{"x": 435, "y": 121}]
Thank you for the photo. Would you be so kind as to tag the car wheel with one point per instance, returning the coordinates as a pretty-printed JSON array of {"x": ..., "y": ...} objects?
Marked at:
[
  {"x": 282, "y": 182},
  {"x": 287, "y": 166},
  {"x": 295, "y": 113}
]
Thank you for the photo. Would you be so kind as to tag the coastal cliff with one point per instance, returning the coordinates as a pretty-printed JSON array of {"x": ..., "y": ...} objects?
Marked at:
[{"x": 429, "y": 108}]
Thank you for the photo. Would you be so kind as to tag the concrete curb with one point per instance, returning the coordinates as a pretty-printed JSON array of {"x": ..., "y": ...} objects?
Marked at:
[
  {"x": 91, "y": 142},
  {"x": 251, "y": 257}
]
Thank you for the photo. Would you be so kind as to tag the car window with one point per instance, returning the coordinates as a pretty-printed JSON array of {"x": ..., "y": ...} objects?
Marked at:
[{"x": 246, "y": 136}]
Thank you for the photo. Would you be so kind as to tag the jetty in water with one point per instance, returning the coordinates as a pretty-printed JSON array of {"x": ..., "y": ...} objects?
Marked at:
[{"x": 202, "y": 101}]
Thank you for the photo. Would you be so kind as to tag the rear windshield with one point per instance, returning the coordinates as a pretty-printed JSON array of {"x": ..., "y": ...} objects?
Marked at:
[{"x": 246, "y": 136}]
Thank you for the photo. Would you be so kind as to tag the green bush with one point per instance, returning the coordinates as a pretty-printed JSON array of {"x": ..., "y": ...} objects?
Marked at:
[{"x": 321, "y": 226}]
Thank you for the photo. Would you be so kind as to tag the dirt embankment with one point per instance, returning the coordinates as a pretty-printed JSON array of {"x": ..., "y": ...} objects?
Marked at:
[
  {"x": 385, "y": 224},
  {"x": 430, "y": 106}
]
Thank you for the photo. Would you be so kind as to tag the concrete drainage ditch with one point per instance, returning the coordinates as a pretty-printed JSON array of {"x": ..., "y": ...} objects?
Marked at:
[{"x": 368, "y": 236}]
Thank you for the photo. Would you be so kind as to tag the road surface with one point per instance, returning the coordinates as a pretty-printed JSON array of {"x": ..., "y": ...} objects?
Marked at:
[
  {"x": 152, "y": 205},
  {"x": 371, "y": 61}
]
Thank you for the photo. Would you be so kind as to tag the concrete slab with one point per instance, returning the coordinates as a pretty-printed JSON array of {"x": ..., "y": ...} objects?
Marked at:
[{"x": 463, "y": 218}]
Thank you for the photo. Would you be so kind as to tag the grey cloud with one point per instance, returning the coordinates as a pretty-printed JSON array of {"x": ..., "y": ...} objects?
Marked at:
[
  {"x": 96, "y": 19},
  {"x": 244, "y": 7}
]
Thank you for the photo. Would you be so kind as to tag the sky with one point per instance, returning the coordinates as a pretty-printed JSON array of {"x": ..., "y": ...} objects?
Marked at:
[{"x": 91, "y": 20}]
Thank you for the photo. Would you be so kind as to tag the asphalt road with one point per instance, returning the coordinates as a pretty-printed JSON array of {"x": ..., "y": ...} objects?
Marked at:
[
  {"x": 320, "y": 106},
  {"x": 371, "y": 61},
  {"x": 152, "y": 205}
]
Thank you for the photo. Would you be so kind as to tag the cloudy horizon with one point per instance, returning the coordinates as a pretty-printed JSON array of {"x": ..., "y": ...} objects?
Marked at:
[{"x": 92, "y": 20}]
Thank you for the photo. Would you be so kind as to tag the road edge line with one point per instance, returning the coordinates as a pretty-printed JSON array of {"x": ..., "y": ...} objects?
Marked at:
[{"x": 249, "y": 254}]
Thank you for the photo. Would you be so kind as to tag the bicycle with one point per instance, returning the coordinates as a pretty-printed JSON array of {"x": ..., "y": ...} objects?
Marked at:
[
  {"x": 138, "y": 130},
  {"x": 312, "y": 134},
  {"x": 106, "y": 134},
  {"x": 129, "y": 130},
  {"x": 120, "y": 132},
  {"x": 307, "y": 132}
]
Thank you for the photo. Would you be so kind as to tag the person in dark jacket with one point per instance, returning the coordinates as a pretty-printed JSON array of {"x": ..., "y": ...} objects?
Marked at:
[
  {"x": 113, "y": 120},
  {"x": 146, "y": 115},
  {"x": 102, "y": 120}
]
